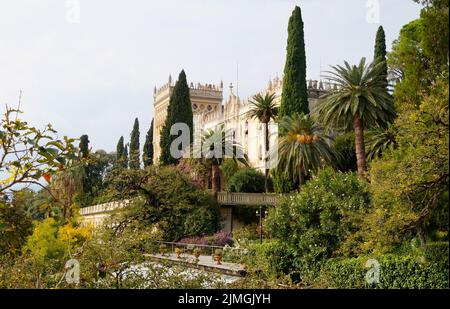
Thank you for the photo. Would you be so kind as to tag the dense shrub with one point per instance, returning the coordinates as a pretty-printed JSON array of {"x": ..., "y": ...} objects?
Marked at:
[
  {"x": 395, "y": 272},
  {"x": 344, "y": 148},
  {"x": 282, "y": 183},
  {"x": 51, "y": 240},
  {"x": 246, "y": 180},
  {"x": 315, "y": 222},
  {"x": 437, "y": 252},
  {"x": 269, "y": 259}
]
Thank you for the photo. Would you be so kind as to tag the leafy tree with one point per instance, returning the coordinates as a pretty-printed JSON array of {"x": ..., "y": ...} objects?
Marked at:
[
  {"x": 360, "y": 101},
  {"x": 178, "y": 111},
  {"x": 28, "y": 153},
  {"x": 304, "y": 148},
  {"x": 294, "y": 98},
  {"x": 420, "y": 53},
  {"x": 147, "y": 152},
  {"x": 169, "y": 202},
  {"x": 247, "y": 180},
  {"x": 134, "y": 146},
  {"x": 410, "y": 181},
  {"x": 264, "y": 109}
]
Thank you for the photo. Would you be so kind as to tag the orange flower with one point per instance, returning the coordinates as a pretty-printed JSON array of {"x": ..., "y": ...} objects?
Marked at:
[
  {"x": 308, "y": 139},
  {"x": 47, "y": 177},
  {"x": 301, "y": 138}
]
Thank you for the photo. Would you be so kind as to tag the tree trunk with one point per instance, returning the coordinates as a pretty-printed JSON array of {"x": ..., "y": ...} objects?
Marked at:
[
  {"x": 266, "y": 146},
  {"x": 359, "y": 146},
  {"x": 215, "y": 178}
]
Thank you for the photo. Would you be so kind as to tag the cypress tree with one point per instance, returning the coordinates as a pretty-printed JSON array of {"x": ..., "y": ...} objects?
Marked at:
[
  {"x": 294, "y": 98},
  {"x": 134, "y": 146},
  {"x": 84, "y": 153},
  {"x": 178, "y": 111},
  {"x": 120, "y": 150},
  {"x": 125, "y": 157},
  {"x": 84, "y": 146},
  {"x": 380, "y": 51},
  {"x": 147, "y": 151}
]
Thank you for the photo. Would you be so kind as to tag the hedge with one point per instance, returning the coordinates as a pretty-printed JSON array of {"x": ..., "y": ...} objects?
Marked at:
[{"x": 396, "y": 272}]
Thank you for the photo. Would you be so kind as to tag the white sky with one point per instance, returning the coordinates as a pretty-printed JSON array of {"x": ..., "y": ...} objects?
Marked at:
[{"x": 94, "y": 77}]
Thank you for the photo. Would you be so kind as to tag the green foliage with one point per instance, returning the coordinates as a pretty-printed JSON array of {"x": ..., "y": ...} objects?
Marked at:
[
  {"x": 125, "y": 157},
  {"x": 246, "y": 180},
  {"x": 147, "y": 152},
  {"x": 229, "y": 167},
  {"x": 315, "y": 222},
  {"x": 276, "y": 256},
  {"x": 396, "y": 272},
  {"x": 52, "y": 241},
  {"x": 420, "y": 54},
  {"x": 84, "y": 146},
  {"x": 380, "y": 52},
  {"x": 409, "y": 182},
  {"x": 178, "y": 111},
  {"x": 344, "y": 149},
  {"x": 134, "y": 146},
  {"x": 304, "y": 148},
  {"x": 379, "y": 140},
  {"x": 361, "y": 102},
  {"x": 263, "y": 108},
  {"x": 294, "y": 98},
  {"x": 120, "y": 153},
  {"x": 168, "y": 201},
  {"x": 437, "y": 252},
  {"x": 100, "y": 163},
  {"x": 29, "y": 153},
  {"x": 283, "y": 183},
  {"x": 361, "y": 92},
  {"x": 15, "y": 226}
]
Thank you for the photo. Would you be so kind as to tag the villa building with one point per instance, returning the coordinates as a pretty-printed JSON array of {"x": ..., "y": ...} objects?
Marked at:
[{"x": 210, "y": 111}]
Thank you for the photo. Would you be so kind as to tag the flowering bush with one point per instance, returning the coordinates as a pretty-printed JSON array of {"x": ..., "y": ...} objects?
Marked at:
[
  {"x": 220, "y": 239},
  {"x": 320, "y": 221}
]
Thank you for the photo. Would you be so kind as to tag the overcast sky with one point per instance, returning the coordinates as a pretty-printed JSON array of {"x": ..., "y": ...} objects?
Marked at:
[{"x": 95, "y": 74}]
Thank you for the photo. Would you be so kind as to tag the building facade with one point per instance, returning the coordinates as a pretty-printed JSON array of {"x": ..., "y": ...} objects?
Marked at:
[{"x": 211, "y": 111}]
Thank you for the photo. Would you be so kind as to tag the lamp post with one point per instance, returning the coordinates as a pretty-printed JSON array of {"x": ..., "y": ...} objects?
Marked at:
[{"x": 259, "y": 214}]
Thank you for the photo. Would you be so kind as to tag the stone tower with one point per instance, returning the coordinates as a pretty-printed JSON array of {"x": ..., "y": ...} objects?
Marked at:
[{"x": 205, "y": 98}]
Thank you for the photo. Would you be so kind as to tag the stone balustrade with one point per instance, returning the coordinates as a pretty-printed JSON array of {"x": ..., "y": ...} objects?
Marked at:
[
  {"x": 95, "y": 215},
  {"x": 227, "y": 198}
]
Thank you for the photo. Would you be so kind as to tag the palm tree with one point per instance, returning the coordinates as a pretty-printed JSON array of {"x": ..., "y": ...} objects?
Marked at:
[
  {"x": 380, "y": 139},
  {"x": 264, "y": 109},
  {"x": 361, "y": 101},
  {"x": 304, "y": 147},
  {"x": 216, "y": 146}
]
